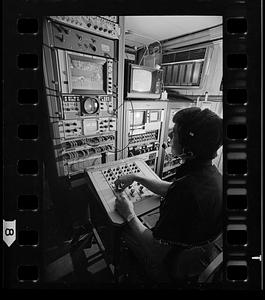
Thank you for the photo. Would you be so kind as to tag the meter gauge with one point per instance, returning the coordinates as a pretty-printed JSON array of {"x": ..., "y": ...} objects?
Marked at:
[{"x": 90, "y": 105}]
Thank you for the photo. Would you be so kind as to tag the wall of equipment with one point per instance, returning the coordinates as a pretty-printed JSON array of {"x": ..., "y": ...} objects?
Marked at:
[
  {"x": 143, "y": 130},
  {"x": 82, "y": 68},
  {"x": 91, "y": 122}
]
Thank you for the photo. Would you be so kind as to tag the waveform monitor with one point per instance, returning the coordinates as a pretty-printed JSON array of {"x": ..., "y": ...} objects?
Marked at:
[{"x": 102, "y": 179}]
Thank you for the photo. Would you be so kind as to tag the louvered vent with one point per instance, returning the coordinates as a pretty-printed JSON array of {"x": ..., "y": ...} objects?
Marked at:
[
  {"x": 183, "y": 68},
  {"x": 184, "y": 56}
]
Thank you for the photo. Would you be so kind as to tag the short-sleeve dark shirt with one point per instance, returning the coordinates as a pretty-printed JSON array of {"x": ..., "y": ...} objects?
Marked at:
[{"x": 191, "y": 212}]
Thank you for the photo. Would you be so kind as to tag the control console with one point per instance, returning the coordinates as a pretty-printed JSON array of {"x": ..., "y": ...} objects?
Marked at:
[{"x": 102, "y": 179}]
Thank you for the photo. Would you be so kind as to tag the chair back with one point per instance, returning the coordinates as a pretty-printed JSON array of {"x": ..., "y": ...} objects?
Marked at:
[
  {"x": 209, "y": 273},
  {"x": 197, "y": 263}
]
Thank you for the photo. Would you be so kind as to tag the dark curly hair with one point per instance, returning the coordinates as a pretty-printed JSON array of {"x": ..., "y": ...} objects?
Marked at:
[{"x": 199, "y": 131}]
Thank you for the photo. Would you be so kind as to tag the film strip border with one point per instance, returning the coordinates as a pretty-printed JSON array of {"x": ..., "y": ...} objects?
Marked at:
[
  {"x": 23, "y": 146},
  {"x": 242, "y": 136},
  {"x": 23, "y": 151}
]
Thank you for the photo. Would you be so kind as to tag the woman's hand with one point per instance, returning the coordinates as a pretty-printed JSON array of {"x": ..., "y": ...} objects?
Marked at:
[
  {"x": 124, "y": 206},
  {"x": 122, "y": 182}
]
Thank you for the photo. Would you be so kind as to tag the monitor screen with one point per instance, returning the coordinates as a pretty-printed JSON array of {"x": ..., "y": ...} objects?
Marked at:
[
  {"x": 137, "y": 118},
  {"x": 141, "y": 80},
  {"x": 90, "y": 126},
  {"x": 154, "y": 116},
  {"x": 86, "y": 74}
]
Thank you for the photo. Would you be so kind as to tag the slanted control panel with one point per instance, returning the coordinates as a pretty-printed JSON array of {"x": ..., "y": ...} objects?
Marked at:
[{"x": 102, "y": 179}]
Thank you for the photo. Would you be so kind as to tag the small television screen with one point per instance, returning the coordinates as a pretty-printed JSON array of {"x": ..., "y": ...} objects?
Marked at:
[
  {"x": 137, "y": 118},
  {"x": 154, "y": 116},
  {"x": 85, "y": 73},
  {"x": 142, "y": 80}
]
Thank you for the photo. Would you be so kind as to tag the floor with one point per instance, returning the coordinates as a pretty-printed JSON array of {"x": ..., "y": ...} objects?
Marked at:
[{"x": 78, "y": 261}]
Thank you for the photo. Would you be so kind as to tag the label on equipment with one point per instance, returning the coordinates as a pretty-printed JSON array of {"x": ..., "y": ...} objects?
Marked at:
[{"x": 105, "y": 48}]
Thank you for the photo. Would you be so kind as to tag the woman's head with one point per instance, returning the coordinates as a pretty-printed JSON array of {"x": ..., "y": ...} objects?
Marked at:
[{"x": 197, "y": 132}]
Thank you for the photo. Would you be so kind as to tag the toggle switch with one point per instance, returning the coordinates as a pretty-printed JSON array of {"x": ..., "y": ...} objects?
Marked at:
[
  {"x": 79, "y": 37},
  {"x": 92, "y": 47},
  {"x": 58, "y": 27},
  {"x": 66, "y": 30},
  {"x": 60, "y": 38}
]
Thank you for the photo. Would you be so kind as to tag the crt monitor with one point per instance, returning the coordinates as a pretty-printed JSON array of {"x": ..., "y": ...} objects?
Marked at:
[
  {"x": 86, "y": 74},
  {"x": 137, "y": 118},
  {"x": 143, "y": 82}
]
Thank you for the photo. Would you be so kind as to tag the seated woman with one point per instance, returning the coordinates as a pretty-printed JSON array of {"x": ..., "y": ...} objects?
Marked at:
[{"x": 191, "y": 209}]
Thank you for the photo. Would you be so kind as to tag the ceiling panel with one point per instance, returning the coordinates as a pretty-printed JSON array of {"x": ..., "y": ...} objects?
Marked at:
[{"x": 147, "y": 29}]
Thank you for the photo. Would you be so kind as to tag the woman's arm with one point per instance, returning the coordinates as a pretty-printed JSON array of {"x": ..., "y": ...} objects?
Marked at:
[
  {"x": 157, "y": 186},
  {"x": 126, "y": 210}
]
